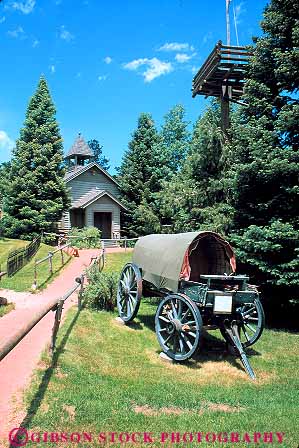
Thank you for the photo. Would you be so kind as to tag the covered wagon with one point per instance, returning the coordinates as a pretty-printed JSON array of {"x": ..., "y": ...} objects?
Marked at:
[{"x": 194, "y": 273}]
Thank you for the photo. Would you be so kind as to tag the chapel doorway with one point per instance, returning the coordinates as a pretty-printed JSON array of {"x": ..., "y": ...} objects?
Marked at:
[{"x": 103, "y": 222}]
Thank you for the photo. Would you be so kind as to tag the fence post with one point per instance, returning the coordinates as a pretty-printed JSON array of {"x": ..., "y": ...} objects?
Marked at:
[
  {"x": 62, "y": 258},
  {"x": 80, "y": 293},
  {"x": 34, "y": 285},
  {"x": 125, "y": 244},
  {"x": 58, "y": 312},
  {"x": 50, "y": 262},
  {"x": 104, "y": 252}
]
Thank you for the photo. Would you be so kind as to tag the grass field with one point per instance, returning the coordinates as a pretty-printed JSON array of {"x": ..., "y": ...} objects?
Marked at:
[
  {"x": 22, "y": 280},
  {"x": 109, "y": 378},
  {"x": 5, "y": 309},
  {"x": 6, "y": 246}
]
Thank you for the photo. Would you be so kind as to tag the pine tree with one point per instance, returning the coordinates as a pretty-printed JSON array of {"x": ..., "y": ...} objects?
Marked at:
[
  {"x": 4, "y": 176},
  {"x": 265, "y": 153},
  {"x": 37, "y": 194},
  {"x": 99, "y": 157},
  {"x": 175, "y": 138},
  {"x": 140, "y": 176},
  {"x": 194, "y": 198}
]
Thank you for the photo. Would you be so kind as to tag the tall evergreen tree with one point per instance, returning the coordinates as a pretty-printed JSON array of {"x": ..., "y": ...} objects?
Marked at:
[
  {"x": 265, "y": 156},
  {"x": 175, "y": 138},
  {"x": 194, "y": 198},
  {"x": 99, "y": 157},
  {"x": 140, "y": 176},
  {"x": 4, "y": 179},
  {"x": 37, "y": 194}
]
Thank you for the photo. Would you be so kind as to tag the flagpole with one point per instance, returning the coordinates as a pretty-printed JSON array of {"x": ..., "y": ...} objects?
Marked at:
[{"x": 227, "y": 23}]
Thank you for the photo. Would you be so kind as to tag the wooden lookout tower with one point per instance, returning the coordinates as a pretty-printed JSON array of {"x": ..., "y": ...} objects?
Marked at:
[{"x": 222, "y": 74}]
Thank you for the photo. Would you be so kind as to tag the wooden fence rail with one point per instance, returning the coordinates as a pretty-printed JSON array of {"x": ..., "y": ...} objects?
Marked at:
[
  {"x": 18, "y": 258},
  {"x": 49, "y": 257},
  {"x": 56, "y": 304}
]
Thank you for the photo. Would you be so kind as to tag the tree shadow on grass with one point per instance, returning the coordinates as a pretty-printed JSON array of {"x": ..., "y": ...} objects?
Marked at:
[{"x": 45, "y": 380}]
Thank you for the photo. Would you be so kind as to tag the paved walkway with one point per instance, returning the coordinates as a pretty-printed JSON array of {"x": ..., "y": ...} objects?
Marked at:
[{"x": 17, "y": 367}]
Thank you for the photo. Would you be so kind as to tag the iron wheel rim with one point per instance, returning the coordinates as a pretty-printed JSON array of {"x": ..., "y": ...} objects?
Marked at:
[
  {"x": 129, "y": 292},
  {"x": 178, "y": 326}
]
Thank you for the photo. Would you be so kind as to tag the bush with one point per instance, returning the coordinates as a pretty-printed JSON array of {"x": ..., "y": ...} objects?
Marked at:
[
  {"x": 130, "y": 244},
  {"x": 100, "y": 293},
  {"x": 87, "y": 238},
  {"x": 50, "y": 240}
]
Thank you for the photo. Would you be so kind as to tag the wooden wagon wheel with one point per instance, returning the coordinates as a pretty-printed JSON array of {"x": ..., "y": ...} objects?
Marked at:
[
  {"x": 252, "y": 322},
  {"x": 129, "y": 292},
  {"x": 178, "y": 326}
]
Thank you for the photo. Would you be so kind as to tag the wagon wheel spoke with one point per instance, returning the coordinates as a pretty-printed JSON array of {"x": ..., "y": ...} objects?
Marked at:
[
  {"x": 177, "y": 339},
  {"x": 125, "y": 276},
  {"x": 179, "y": 309},
  {"x": 187, "y": 340},
  {"x": 129, "y": 292},
  {"x": 164, "y": 318},
  {"x": 181, "y": 346},
  {"x": 168, "y": 338},
  {"x": 185, "y": 315},
  {"x": 174, "y": 310},
  {"x": 133, "y": 291},
  {"x": 122, "y": 283},
  {"x": 250, "y": 328},
  {"x": 190, "y": 333},
  {"x": 252, "y": 322},
  {"x": 245, "y": 333}
]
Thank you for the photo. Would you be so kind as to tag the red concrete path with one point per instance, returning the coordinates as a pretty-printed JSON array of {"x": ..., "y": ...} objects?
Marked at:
[{"x": 16, "y": 368}]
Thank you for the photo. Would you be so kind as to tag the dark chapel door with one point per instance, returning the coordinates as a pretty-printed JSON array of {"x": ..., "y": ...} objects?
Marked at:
[{"x": 103, "y": 221}]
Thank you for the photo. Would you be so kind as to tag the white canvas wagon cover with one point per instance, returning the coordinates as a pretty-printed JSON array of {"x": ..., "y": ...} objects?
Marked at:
[{"x": 165, "y": 259}]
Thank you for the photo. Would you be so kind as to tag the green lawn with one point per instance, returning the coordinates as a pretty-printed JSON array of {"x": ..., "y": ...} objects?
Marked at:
[
  {"x": 5, "y": 309},
  {"x": 109, "y": 378},
  {"x": 23, "y": 280},
  {"x": 6, "y": 246}
]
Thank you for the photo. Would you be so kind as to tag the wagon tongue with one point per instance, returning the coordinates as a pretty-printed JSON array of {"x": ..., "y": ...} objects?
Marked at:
[{"x": 233, "y": 333}]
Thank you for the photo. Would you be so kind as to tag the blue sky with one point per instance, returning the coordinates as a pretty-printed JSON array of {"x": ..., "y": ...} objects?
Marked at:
[{"x": 105, "y": 62}]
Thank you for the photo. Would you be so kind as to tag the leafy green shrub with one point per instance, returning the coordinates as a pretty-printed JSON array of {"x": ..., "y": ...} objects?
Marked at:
[
  {"x": 129, "y": 244},
  {"x": 51, "y": 239},
  {"x": 100, "y": 293},
  {"x": 86, "y": 238}
]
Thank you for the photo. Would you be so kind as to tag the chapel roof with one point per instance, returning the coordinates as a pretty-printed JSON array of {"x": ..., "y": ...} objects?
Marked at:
[{"x": 79, "y": 148}]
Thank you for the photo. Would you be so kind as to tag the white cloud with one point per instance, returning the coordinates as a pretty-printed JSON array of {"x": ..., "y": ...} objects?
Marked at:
[
  {"x": 25, "y": 6},
  {"x": 183, "y": 57},
  {"x": 102, "y": 77},
  {"x": 155, "y": 67},
  {"x": 194, "y": 70},
  {"x": 65, "y": 35},
  {"x": 2, "y": 19},
  {"x": 35, "y": 43},
  {"x": 133, "y": 65},
  {"x": 52, "y": 69},
  {"x": 6, "y": 143},
  {"x": 18, "y": 32},
  {"x": 176, "y": 46},
  {"x": 108, "y": 60}
]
